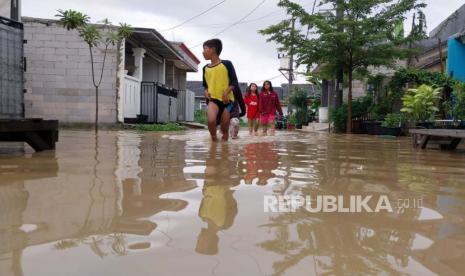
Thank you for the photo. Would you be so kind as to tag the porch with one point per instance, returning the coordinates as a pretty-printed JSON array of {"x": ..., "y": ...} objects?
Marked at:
[{"x": 152, "y": 78}]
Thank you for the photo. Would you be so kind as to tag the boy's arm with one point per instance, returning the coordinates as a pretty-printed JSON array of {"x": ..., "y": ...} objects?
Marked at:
[
  {"x": 205, "y": 84},
  {"x": 240, "y": 100},
  {"x": 232, "y": 79}
]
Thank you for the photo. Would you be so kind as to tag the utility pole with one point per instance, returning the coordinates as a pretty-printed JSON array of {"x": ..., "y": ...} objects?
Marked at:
[{"x": 291, "y": 68}]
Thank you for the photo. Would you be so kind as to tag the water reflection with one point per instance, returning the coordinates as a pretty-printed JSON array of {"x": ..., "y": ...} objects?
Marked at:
[
  {"x": 155, "y": 202},
  {"x": 218, "y": 207}
]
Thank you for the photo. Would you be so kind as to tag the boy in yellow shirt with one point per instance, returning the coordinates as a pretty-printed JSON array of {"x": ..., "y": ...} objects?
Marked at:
[{"x": 219, "y": 80}]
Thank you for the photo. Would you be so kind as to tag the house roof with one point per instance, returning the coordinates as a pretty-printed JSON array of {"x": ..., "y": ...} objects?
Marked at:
[
  {"x": 157, "y": 43},
  {"x": 189, "y": 62},
  {"x": 453, "y": 25}
]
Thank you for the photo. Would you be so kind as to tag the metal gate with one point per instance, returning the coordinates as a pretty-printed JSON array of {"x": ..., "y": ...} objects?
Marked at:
[
  {"x": 11, "y": 69},
  {"x": 158, "y": 103},
  {"x": 149, "y": 101}
]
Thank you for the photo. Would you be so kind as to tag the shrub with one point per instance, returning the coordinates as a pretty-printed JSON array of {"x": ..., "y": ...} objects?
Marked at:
[
  {"x": 393, "y": 120},
  {"x": 338, "y": 116},
  {"x": 421, "y": 103},
  {"x": 458, "y": 104}
]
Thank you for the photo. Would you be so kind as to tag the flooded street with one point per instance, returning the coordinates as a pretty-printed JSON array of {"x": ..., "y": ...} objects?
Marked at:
[{"x": 126, "y": 203}]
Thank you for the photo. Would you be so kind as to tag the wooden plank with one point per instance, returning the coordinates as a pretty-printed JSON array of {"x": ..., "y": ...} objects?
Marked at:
[
  {"x": 39, "y": 134},
  {"x": 424, "y": 141},
  {"x": 36, "y": 141},
  {"x": 453, "y": 133},
  {"x": 8, "y": 126},
  {"x": 453, "y": 144}
]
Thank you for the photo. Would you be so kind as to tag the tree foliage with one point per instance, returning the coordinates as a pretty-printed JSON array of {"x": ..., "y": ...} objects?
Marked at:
[{"x": 363, "y": 36}]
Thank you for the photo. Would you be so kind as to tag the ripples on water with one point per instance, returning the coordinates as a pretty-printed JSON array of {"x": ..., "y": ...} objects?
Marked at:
[{"x": 125, "y": 203}]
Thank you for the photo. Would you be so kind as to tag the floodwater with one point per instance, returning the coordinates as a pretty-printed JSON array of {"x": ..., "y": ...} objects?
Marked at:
[{"x": 125, "y": 203}]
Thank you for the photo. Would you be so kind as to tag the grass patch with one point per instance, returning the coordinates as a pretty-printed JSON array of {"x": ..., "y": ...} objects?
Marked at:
[
  {"x": 200, "y": 116},
  {"x": 243, "y": 123},
  {"x": 160, "y": 127}
]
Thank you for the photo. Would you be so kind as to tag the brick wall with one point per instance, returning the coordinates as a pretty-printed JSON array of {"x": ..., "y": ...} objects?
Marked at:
[{"x": 58, "y": 77}]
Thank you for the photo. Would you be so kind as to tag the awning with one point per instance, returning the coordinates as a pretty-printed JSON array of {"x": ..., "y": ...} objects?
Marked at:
[{"x": 153, "y": 40}]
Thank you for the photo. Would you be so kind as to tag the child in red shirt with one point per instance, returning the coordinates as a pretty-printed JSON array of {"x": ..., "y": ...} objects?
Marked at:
[
  {"x": 251, "y": 100},
  {"x": 268, "y": 104}
]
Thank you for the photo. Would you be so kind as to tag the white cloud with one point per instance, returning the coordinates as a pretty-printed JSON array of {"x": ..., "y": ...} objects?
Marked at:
[{"x": 254, "y": 59}]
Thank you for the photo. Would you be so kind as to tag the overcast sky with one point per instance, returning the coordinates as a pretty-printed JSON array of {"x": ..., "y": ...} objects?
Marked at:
[{"x": 255, "y": 59}]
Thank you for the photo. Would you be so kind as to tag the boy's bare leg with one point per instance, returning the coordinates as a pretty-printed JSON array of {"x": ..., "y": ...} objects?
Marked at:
[
  {"x": 225, "y": 117},
  {"x": 251, "y": 125},
  {"x": 212, "y": 113}
]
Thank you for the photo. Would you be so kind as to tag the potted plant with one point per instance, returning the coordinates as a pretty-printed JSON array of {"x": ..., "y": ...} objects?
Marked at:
[
  {"x": 420, "y": 104},
  {"x": 300, "y": 118},
  {"x": 299, "y": 100},
  {"x": 457, "y": 109},
  {"x": 291, "y": 122},
  {"x": 392, "y": 124}
]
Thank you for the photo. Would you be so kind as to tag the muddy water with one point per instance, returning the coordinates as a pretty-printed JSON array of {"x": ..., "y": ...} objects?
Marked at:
[{"x": 124, "y": 203}]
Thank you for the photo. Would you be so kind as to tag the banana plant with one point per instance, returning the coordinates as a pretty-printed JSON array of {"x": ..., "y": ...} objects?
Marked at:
[{"x": 420, "y": 104}]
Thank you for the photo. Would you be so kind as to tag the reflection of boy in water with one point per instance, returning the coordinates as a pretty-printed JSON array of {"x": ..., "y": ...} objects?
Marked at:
[
  {"x": 218, "y": 207},
  {"x": 261, "y": 160}
]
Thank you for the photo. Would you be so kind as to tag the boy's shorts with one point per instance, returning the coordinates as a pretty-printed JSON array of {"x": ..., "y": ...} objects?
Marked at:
[
  {"x": 267, "y": 118},
  {"x": 221, "y": 107}
]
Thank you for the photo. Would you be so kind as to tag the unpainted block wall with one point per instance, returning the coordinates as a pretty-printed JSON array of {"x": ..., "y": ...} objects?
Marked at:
[{"x": 59, "y": 79}]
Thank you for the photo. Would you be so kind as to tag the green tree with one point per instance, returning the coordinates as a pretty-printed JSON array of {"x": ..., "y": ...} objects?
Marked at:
[
  {"x": 364, "y": 34},
  {"x": 101, "y": 35}
]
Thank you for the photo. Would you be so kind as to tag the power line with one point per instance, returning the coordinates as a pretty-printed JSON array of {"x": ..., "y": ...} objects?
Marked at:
[
  {"x": 219, "y": 25},
  {"x": 194, "y": 17},
  {"x": 235, "y": 23}
]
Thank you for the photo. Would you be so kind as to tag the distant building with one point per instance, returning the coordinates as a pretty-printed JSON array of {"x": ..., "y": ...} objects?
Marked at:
[
  {"x": 198, "y": 89},
  {"x": 446, "y": 41}
]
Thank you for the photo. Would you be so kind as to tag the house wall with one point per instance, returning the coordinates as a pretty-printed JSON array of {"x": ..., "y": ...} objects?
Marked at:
[
  {"x": 180, "y": 79},
  {"x": 358, "y": 90},
  {"x": 429, "y": 60},
  {"x": 170, "y": 74},
  {"x": 151, "y": 70},
  {"x": 455, "y": 65},
  {"x": 58, "y": 78}
]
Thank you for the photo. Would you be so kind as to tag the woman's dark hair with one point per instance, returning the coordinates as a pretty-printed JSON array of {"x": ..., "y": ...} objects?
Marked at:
[
  {"x": 249, "y": 89},
  {"x": 269, "y": 82},
  {"x": 214, "y": 43}
]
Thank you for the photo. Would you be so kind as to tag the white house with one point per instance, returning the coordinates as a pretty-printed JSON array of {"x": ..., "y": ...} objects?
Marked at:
[{"x": 59, "y": 81}]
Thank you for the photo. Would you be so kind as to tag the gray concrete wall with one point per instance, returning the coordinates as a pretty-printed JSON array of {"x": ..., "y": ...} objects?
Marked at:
[
  {"x": 58, "y": 78},
  {"x": 151, "y": 70},
  {"x": 180, "y": 83}
]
